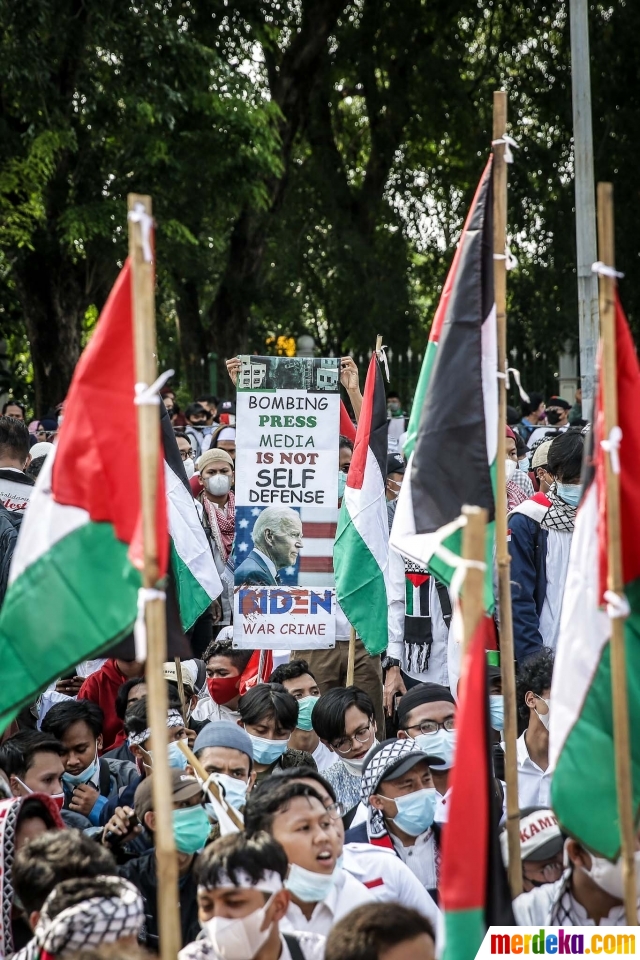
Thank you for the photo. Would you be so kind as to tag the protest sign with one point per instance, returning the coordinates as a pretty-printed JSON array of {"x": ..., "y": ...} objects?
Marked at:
[{"x": 287, "y": 430}]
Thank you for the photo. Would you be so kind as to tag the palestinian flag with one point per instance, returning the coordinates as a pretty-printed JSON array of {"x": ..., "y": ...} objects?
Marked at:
[
  {"x": 196, "y": 578},
  {"x": 73, "y": 586},
  {"x": 361, "y": 549},
  {"x": 581, "y": 745},
  {"x": 474, "y": 890},
  {"x": 453, "y": 431}
]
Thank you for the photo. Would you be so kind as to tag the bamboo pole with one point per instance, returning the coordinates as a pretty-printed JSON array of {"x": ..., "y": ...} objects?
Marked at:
[
  {"x": 181, "y": 694},
  {"x": 473, "y": 548},
  {"x": 213, "y": 786},
  {"x": 615, "y": 581},
  {"x": 144, "y": 325},
  {"x": 351, "y": 662},
  {"x": 507, "y": 658}
]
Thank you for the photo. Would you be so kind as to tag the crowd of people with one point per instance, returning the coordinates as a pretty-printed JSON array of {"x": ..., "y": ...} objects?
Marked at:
[{"x": 343, "y": 791}]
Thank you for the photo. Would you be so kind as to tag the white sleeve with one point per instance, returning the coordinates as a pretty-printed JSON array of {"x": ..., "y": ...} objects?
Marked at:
[
  {"x": 396, "y": 614},
  {"x": 411, "y": 893}
]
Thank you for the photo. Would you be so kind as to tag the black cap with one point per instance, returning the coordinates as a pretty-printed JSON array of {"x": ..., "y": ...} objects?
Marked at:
[{"x": 396, "y": 463}]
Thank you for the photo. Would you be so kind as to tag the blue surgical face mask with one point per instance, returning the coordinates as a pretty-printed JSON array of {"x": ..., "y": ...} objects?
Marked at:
[
  {"x": 569, "y": 492},
  {"x": 308, "y": 886},
  {"x": 342, "y": 483},
  {"x": 416, "y": 811},
  {"x": 177, "y": 758},
  {"x": 235, "y": 791},
  {"x": 305, "y": 709},
  {"x": 524, "y": 465},
  {"x": 267, "y": 751},
  {"x": 191, "y": 828},
  {"x": 74, "y": 780},
  {"x": 496, "y": 711},
  {"x": 441, "y": 744}
]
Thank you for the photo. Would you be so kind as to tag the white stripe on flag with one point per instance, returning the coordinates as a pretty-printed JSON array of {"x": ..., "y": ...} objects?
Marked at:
[
  {"x": 367, "y": 509},
  {"x": 490, "y": 383}
]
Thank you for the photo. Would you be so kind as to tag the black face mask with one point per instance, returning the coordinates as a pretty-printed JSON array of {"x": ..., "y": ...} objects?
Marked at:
[{"x": 553, "y": 417}]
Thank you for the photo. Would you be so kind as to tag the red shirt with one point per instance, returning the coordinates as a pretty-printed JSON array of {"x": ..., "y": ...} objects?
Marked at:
[{"x": 101, "y": 687}]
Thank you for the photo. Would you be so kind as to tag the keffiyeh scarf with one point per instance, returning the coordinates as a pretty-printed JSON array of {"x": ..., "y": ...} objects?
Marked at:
[
  {"x": 373, "y": 773},
  {"x": 89, "y": 923},
  {"x": 559, "y": 516},
  {"x": 223, "y": 526}
]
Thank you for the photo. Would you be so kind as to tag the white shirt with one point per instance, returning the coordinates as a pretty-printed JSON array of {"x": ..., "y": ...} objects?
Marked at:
[
  {"x": 347, "y": 893},
  {"x": 311, "y": 944},
  {"x": 557, "y": 564},
  {"x": 323, "y": 757},
  {"x": 442, "y": 806},
  {"x": 208, "y": 709},
  {"x": 420, "y": 857},
  {"x": 388, "y": 878},
  {"x": 534, "y": 908},
  {"x": 534, "y": 784}
]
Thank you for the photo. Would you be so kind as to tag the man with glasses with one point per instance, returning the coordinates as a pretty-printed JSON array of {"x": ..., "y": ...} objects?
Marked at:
[
  {"x": 541, "y": 845},
  {"x": 344, "y": 720},
  {"x": 426, "y": 714}
]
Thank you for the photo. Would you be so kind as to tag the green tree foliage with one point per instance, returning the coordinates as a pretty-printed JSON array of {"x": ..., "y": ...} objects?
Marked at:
[{"x": 310, "y": 163}]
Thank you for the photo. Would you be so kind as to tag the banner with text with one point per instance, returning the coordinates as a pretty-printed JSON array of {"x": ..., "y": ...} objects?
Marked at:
[{"x": 287, "y": 430}]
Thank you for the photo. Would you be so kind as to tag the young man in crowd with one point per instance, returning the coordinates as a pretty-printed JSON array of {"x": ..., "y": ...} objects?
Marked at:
[
  {"x": 540, "y": 469},
  {"x": 224, "y": 667},
  {"x": 198, "y": 426},
  {"x": 215, "y": 469},
  {"x": 396, "y": 466},
  {"x": 541, "y": 846},
  {"x": 298, "y": 680},
  {"x": 269, "y": 715},
  {"x": 533, "y": 413},
  {"x": 224, "y": 749},
  {"x": 15, "y": 486},
  {"x": 383, "y": 874},
  {"x": 102, "y": 688},
  {"x": 382, "y": 932},
  {"x": 557, "y": 412},
  {"x": 295, "y": 816},
  {"x": 190, "y": 830},
  {"x": 344, "y": 721},
  {"x": 13, "y": 409},
  {"x": 46, "y": 860},
  {"x": 88, "y": 781},
  {"x": 33, "y": 763},
  {"x": 128, "y": 693},
  {"x": 426, "y": 714},
  {"x": 539, "y": 545},
  {"x": 533, "y": 692},
  {"x": 242, "y": 898},
  {"x": 398, "y": 791}
]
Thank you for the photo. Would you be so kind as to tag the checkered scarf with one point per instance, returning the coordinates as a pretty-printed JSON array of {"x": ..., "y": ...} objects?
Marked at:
[
  {"x": 372, "y": 774},
  {"x": 223, "y": 526},
  {"x": 559, "y": 516},
  {"x": 89, "y": 923}
]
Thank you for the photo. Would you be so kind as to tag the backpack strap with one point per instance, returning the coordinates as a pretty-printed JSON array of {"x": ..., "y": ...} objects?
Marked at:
[
  {"x": 294, "y": 946},
  {"x": 104, "y": 780}
]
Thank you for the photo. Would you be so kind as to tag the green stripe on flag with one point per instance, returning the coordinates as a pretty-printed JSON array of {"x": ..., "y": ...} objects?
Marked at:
[
  {"x": 90, "y": 603},
  {"x": 418, "y": 397},
  {"x": 361, "y": 588},
  {"x": 193, "y": 599},
  {"x": 464, "y": 933},
  {"x": 408, "y": 596}
]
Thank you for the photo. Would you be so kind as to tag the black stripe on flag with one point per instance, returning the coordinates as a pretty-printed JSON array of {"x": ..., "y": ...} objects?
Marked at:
[
  {"x": 170, "y": 448},
  {"x": 450, "y": 466}
]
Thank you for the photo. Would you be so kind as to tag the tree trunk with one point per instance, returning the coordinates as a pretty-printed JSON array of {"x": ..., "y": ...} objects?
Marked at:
[{"x": 192, "y": 338}]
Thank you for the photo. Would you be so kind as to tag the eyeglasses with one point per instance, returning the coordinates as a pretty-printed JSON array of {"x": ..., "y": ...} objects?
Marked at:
[
  {"x": 432, "y": 726},
  {"x": 335, "y": 810},
  {"x": 185, "y": 454},
  {"x": 344, "y": 745}
]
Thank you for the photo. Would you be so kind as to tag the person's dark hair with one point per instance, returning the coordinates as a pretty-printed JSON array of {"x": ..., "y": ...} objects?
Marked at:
[
  {"x": 194, "y": 408},
  {"x": 17, "y": 753},
  {"x": 181, "y": 435},
  {"x": 564, "y": 458},
  {"x": 521, "y": 447},
  {"x": 291, "y": 774},
  {"x": 370, "y": 930},
  {"x": 513, "y": 417},
  {"x": 224, "y": 648},
  {"x": 13, "y": 403},
  {"x": 121, "y": 705},
  {"x": 34, "y": 468},
  {"x": 269, "y": 701},
  {"x": 76, "y": 890},
  {"x": 270, "y": 799},
  {"x": 62, "y": 715},
  {"x": 533, "y": 674},
  {"x": 392, "y": 395},
  {"x": 44, "y": 862},
  {"x": 237, "y": 854},
  {"x": 345, "y": 442},
  {"x": 535, "y": 399},
  {"x": 14, "y": 439},
  {"x": 208, "y": 398},
  {"x": 291, "y": 671},
  {"x": 328, "y": 714}
]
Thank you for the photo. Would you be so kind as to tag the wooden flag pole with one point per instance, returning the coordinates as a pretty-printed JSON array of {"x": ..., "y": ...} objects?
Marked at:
[
  {"x": 351, "y": 661},
  {"x": 473, "y": 548},
  {"x": 507, "y": 657},
  {"x": 144, "y": 325},
  {"x": 181, "y": 693},
  {"x": 213, "y": 786},
  {"x": 615, "y": 578}
]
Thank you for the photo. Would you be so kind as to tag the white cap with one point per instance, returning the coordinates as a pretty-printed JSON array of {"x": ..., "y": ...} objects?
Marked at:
[
  {"x": 41, "y": 449},
  {"x": 540, "y": 836}
]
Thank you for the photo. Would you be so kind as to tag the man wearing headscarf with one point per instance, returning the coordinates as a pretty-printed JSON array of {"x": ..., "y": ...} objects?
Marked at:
[
  {"x": 397, "y": 790},
  {"x": 215, "y": 469}
]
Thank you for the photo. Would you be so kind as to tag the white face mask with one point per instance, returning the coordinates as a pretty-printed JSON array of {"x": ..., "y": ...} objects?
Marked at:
[
  {"x": 189, "y": 467},
  {"x": 544, "y": 718},
  {"x": 510, "y": 467},
  {"x": 239, "y": 939},
  {"x": 608, "y": 876},
  {"x": 219, "y": 484}
]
